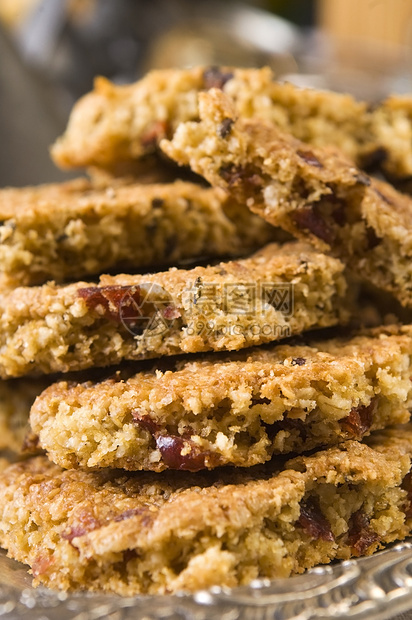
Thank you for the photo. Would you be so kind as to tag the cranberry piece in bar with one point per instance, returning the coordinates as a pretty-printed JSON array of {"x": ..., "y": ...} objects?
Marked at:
[
  {"x": 41, "y": 565},
  {"x": 359, "y": 420},
  {"x": 146, "y": 422},
  {"x": 136, "y": 307},
  {"x": 360, "y": 535},
  {"x": 313, "y": 522},
  {"x": 85, "y": 523},
  {"x": 111, "y": 300},
  {"x": 310, "y": 219},
  {"x": 180, "y": 453},
  {"x": 177, "y": 452}
]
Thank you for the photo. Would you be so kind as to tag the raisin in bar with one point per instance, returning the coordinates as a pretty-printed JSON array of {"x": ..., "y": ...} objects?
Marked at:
[
  {"x": 277, "y": 292},
  {"x": 114, "y": 125},
  {"x": 145, "y": 533},
  {"x": 231, "y": 411},
  {"x": 68, "y": 231},
  {"x": 315, "y": 194}
]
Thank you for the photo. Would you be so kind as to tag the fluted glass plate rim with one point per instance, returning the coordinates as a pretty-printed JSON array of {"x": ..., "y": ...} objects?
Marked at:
[{"x": 378, "y": 586}]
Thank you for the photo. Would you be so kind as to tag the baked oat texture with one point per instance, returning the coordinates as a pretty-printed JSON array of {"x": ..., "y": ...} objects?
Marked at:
[
  {"x": 316, "y": 194},
  {"x": 113, "y": 125},
  {"x": 279, "y": 291},
  {"x": 238, "y": 410},
  {"x": 71, "y": 230},
  {"x": 145, "y": 533}
]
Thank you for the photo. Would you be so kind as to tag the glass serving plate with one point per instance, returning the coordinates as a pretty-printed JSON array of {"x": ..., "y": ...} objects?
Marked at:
[{"x": 379, "y": 586}]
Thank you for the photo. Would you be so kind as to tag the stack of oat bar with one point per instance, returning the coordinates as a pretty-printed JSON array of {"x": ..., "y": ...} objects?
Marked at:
[{"x": 175, "y": 443}]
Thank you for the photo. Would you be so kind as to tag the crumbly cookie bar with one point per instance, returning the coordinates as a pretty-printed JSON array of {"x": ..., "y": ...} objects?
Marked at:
[
  {"x": 145, "y": 533},
  {"x": 113, "y": 124},
  {"x": 315, "y": 194},
  {"x": 279, "y": 291},
  {"x": 71, "y": 230},
  {"x": 238, "y": 410}
]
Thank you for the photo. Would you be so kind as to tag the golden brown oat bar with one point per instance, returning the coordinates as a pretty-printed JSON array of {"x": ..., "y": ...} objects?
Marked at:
[
  {"x": 70, "y": 230},
  {"x": 238, "y": 410},
  {"x": 145, "y": 533},
  {"x": 316, "y": 194},
  {"x": 113, "y": 125},
  {"x": 279, "y": 291}
]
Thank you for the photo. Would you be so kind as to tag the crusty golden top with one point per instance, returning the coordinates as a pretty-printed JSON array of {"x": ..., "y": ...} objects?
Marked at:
[{"x": 105, "y": 509}]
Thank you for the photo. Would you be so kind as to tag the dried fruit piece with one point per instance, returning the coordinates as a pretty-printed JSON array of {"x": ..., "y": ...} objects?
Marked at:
[
  {"x": 360, "y": 534},
  {"x": 313, "y": 521},
  {"x": 41, "y": 565},
  {"x": 110, "y": 301},
  {"x": 177, "y": 452},
  {"x": 311, "y": 219},
  {"x": 86, "y": 522},
  {"x": 136, "y": 307},
  {"x": 360, "y": 419}
]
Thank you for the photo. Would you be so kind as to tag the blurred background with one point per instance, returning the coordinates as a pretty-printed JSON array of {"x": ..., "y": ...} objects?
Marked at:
[{"x": 50, "y": 51}]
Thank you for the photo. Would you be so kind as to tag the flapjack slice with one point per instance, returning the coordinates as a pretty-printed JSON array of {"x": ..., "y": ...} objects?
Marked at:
[
  {"x": 71, "y": 230},
  {"x": 316, "y": 194},
  {"x": 114, "y": 126},
  {"x": 149, "y": 533},
  {"x": 230, "y": 410},
  {"x": 277, "y": 292}
]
